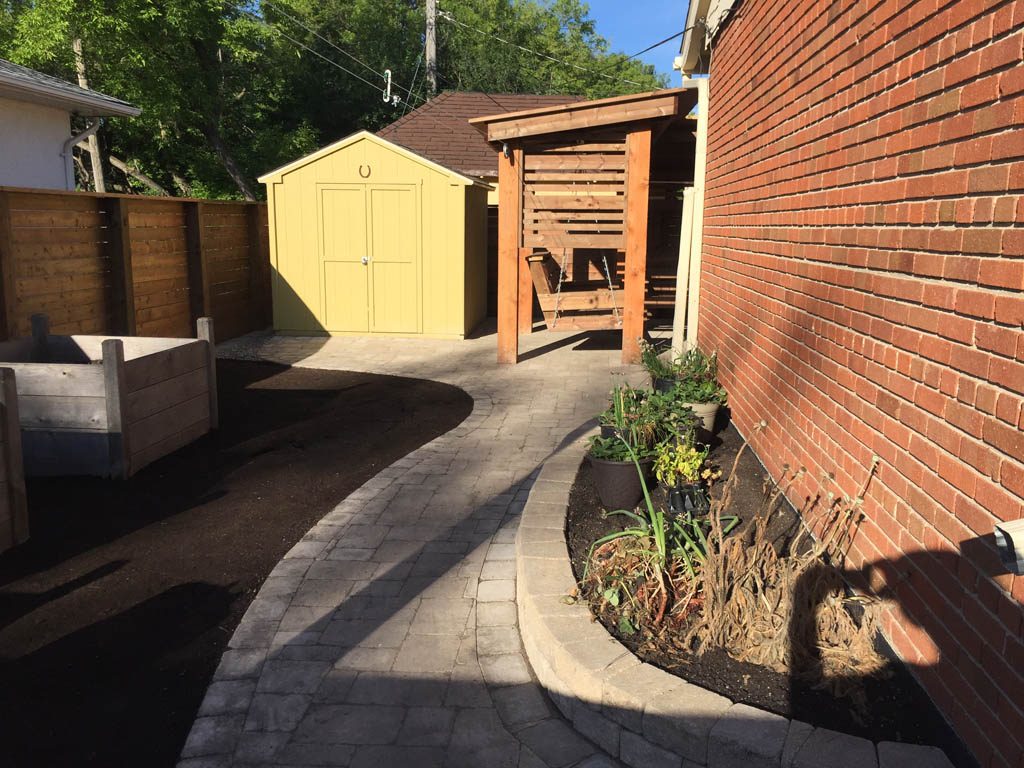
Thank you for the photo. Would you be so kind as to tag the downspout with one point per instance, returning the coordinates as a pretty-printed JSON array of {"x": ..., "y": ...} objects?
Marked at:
[
  {"x": 697, "y": 227},
  {"x": 683, "y": 274},
  {"x": 66, "y": 152}
]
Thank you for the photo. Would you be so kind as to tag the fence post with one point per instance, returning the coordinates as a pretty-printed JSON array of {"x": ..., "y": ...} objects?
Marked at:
[
  {"x": 10, "y": 425},
  {"x": 40, "y": 352},
  {"x": 7, "y": 285},
  {"x": 259, "y": 267},
  {"x": 117, "y": 409},
  {"x": 204, "y": 331},
  {"x": 198, "y": 269},
  {"x": 123, "y": 284}
]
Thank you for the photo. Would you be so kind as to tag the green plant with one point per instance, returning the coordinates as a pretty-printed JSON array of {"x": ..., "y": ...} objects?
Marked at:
[
  {"x": 634, "y": 417},
  {"x": 653, "y": 360},
  {"x": 676, "y": 420},
  {"x": 695, "y": 364},
  {"x": 625, "y": 401},
  {"x": 662, "y": 540},
  {"x": 695, "y": 373},
  {"x": 615, "y": 449},
  {"x": 679, "y": 463},
  {"x": 699, "y": 391}
]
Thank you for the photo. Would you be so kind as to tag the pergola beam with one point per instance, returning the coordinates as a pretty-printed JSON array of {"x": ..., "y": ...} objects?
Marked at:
[{"x": 617, "y": 110}]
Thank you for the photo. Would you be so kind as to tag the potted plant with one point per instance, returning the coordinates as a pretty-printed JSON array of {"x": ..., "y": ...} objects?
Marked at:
[
  {"x": 681, "y": 468},
  {"x": 661, "y": 368},
  {"x": 626, "y": 403},
  {"x": 675, "y": 417},
  {"x": 698, "y": 386},
  {"x": 618, "y": 482},
  {"x": 629, "y": 428}
]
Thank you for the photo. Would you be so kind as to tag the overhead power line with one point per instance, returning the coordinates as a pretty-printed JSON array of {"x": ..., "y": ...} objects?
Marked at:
[
  {"x": 312, "y": 31},
  {"x": 414, "y": 74},
  {"x": 332, "y": 44},
  {"x": 317, "y": 53},
  {"x": 278, "y": 31},
  {"x": 658, "y": 44},
  {"x": 449, "y": 18},
  {"x": 333, "y": 63}
]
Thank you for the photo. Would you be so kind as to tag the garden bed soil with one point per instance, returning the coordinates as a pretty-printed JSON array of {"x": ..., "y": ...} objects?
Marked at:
[
  {"x": 114, "y": 615},
  {"x": 898, "y": 708}
]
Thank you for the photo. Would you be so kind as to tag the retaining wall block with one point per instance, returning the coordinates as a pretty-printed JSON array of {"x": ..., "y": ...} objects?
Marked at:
[
  {"x": 637, "y": 752},
  {"x": 894, "y": 755},
  {"x": 798, "y": 733},
  {"x": 627, "y": 687},
  {"x": 835, "y": 750},
  {"x": 747, "y": 737},
  {"x": 682, "y": 720}
]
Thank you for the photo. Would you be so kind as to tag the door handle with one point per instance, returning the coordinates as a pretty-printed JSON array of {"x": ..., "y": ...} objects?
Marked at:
[{"x": 366, "y": 260}]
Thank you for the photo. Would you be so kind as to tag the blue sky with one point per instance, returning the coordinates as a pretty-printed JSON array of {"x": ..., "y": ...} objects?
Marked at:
[{"x": 632, "y": 25}]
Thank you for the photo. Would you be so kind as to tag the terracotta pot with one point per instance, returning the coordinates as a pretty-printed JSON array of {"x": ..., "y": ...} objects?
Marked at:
[
  {"x": 706, "y": 412},
  {"x": 618, "y": 483}
]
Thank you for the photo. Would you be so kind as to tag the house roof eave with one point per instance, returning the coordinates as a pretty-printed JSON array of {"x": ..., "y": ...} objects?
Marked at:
[{"x": 24, "y": 84}]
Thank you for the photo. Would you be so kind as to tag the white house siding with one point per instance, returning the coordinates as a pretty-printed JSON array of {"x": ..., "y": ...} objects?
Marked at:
[
  {"x": 31, "y": 138},
  {"x": 718, "y": 12}
]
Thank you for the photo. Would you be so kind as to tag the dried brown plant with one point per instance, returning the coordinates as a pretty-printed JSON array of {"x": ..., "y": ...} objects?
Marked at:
[{"x": 780, "y": 605}]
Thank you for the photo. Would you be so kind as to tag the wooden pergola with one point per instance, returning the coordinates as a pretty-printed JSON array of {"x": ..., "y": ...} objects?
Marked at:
[{"x": 574, "y": 186}]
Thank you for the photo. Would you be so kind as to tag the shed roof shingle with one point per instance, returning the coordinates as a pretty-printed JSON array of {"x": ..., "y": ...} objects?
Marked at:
[{"x": 440, "y": 130}]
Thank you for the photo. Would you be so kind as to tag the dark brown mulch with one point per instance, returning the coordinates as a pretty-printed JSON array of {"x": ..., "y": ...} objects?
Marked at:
[
  {"x": 899, "y": 709},
  {"x": 114, "y": 615}
]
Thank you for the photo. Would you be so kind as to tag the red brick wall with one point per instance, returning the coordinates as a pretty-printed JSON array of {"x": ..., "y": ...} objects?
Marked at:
[{"x": 863, "y": 267}]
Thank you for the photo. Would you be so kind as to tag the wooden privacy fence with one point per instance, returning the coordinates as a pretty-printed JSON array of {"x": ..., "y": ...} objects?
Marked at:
[{"x": 130, "y": 265}]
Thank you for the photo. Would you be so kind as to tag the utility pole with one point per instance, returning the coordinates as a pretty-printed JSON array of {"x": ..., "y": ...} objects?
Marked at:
[
  {"x": 431, "y": 48},
  {"x": 94, "y": 143}
]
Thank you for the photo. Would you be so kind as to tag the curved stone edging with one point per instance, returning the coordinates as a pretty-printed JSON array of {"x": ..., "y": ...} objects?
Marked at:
[{"x": 643, "y": 715}]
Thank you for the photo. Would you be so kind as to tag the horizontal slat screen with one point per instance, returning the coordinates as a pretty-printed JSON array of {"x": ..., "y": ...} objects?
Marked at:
[{"x": 574, "y": 195}]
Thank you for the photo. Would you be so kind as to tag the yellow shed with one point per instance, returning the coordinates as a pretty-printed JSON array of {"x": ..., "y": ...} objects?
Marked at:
[{"x": 367, "y": 237}]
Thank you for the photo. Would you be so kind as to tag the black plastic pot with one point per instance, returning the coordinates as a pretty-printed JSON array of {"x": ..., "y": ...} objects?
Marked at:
[
  {"x": 618, "y": 483},
  {"x": 687, "y": 498},
  {"x": 664, "y": 385}
]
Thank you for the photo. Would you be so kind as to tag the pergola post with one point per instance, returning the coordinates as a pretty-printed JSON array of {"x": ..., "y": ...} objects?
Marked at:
[
  {"x": 510, "y": 201},
  {"x": 525, "y": 293},
  {"x": 638, "y": 183}
]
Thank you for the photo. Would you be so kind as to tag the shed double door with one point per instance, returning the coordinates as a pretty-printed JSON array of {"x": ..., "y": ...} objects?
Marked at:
[{"x": 370, "y": 258}]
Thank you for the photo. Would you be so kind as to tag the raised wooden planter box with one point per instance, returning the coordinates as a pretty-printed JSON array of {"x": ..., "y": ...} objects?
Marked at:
[
  {"x": 110, "y": 405},
  {"x": 13, "y": 509}
]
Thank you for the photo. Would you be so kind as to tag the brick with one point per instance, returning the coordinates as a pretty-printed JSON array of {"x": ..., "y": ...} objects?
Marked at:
[{"x": 813, "y": 208}]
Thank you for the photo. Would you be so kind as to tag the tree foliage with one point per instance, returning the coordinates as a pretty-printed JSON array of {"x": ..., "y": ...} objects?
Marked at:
[{"x": 229, "y": 91}]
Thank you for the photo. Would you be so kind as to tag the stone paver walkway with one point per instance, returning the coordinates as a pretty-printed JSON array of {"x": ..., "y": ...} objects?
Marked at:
[{"x": 388, "y": 636}]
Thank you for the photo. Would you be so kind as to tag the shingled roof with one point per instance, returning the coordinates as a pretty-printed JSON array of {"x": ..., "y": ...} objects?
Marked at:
[
  {"x": 440, "y": 131},
  {"x": 24, "y": 84}
]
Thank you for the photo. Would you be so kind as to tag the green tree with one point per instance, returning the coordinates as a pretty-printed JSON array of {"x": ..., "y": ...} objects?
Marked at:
[
  {"x": 473, "y": 57},
  {"x": 229, "y": 91}
]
